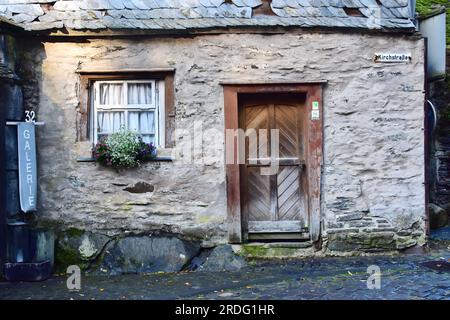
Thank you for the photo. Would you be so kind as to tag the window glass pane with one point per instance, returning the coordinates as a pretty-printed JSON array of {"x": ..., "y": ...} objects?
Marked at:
[
  {"x": 133, "y": 121},
  {"x": 142, "y": 122},
  {"x": 111, "y": 94},
  {"x": 148, "y": 138},
  {"x": 109, "y": 122},
  {"x": 139, "y": 93}
]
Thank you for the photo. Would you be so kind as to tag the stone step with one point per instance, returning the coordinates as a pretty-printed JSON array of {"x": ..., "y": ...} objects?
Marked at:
[
  {"x": 282, "y": 250},
  {"x": 297, "y": 245}
]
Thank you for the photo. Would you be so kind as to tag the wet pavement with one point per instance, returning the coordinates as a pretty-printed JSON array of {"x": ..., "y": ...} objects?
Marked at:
[{"x": 402, "y": 277}]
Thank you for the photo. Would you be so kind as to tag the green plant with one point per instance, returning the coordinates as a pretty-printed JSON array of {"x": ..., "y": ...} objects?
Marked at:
[
  {"x": 445, "y": 114},
  {"x": 123, "y": 149},
  {"x": 426, "y": 7}
]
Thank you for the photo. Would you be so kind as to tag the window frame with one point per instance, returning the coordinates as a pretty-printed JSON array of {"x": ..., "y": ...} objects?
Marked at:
[
  {"x": 232, "y": 92},
  {"x": 156, "y": 106},
  {"x": 163, "y": 76}
]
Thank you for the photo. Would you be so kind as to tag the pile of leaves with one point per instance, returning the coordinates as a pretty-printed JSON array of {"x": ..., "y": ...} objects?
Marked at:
[{"x": 123, "y": 149}]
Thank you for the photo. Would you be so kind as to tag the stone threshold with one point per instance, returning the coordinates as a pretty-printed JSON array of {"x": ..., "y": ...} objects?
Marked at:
[
  {"x": 157, "y": 159},
  {"x": 275, "y": 250},
  {"x": 298, "y": 245},
  {"x": 298, "y": 250}
]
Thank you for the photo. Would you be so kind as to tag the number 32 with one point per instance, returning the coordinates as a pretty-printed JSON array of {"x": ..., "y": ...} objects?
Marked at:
[{"x": 30, "y": 116}]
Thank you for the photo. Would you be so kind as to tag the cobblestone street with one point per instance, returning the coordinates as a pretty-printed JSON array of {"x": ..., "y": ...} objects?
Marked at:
[{"x": 402, "y": 277}]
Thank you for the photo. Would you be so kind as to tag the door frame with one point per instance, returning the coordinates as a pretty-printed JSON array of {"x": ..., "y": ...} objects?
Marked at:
[{"x": 314, "y": 150}]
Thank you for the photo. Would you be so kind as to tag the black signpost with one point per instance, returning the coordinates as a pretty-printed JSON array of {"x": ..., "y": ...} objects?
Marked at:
[
  {"x": 22, "y": 256},
  {"x": 26, "y": 259}
]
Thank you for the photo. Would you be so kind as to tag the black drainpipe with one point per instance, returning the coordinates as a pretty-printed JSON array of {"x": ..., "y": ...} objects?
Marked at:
[
  {"x": 11, "y": 109},
  {"x": 3, "y": 84},
  {"x": 427, "y": 141},
  {"x": 2, "y": 176}
]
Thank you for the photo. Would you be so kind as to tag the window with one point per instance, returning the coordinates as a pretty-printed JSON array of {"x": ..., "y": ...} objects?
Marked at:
[
  {"x": 137, "y": 99},
  {"x": 135, "y": 105}
]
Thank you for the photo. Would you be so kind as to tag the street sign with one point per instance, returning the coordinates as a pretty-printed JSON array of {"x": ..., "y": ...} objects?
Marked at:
[
  {"x": 27, "y": 166},
  {"x": 392, "y": 57}
]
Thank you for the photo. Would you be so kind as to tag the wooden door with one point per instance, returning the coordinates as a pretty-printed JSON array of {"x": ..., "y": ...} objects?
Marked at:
[{"x": 274, "y": 206}]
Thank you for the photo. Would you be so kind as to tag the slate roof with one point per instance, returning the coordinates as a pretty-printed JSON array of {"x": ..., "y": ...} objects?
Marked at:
[{"x": 204, "y": 14}]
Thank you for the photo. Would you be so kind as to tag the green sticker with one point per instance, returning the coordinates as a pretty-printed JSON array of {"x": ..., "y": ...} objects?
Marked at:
[{"x": 315, "y": 104}]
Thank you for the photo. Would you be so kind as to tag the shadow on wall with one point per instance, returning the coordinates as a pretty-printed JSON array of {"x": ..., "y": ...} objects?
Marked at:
[
  {"x": 48, "y": 106},
  {"x": 29, "y": 57}
]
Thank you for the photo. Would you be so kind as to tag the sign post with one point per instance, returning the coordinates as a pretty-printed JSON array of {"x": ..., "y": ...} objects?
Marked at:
[{"x": 23, "y": 245}]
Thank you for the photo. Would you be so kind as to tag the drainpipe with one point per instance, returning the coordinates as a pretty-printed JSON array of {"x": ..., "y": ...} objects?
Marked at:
[
  {"x": 431, "y": 166},
  {"x": 8, "y": 84},
  {"x": 426, "y": 143},
  {"x": 2, "y": 164}
]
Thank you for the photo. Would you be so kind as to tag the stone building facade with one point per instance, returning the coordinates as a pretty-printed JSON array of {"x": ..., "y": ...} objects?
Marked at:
[{"x": 372, "y": 170}]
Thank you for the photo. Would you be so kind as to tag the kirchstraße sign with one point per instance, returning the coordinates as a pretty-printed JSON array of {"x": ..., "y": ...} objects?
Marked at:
[{"x": 392, "y": 57}]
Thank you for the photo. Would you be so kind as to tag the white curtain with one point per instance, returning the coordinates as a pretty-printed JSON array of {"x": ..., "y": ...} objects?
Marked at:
[
  {"x": 139, "y": 93},
  {"x": 133, "y": 121},
  {"x": 144, "y": 123},
  {"x": 111, "y": 94},
  {"x": 109, "y": 122}
]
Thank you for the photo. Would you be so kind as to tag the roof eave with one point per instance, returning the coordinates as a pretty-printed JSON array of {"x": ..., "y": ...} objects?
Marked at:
[
  {"x": 7, "y": 26},
  {"x": 211, "y": 30}
]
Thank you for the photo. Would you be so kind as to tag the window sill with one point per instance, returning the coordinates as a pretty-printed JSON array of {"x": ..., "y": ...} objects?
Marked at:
[{"x": 157, "y": 159}]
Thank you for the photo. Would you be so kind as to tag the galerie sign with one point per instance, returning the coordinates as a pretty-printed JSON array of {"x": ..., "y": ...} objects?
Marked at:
[{"x": 27, "y": 166}]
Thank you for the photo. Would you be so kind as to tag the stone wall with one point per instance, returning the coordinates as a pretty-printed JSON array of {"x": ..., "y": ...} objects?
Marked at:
[{"x": 373, "y": 177}]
